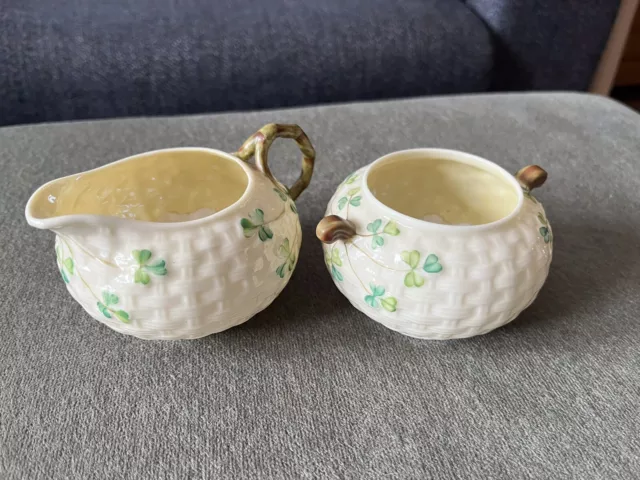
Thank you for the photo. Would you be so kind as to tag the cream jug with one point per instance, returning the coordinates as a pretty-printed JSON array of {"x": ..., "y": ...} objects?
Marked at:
[{"x": 177, "y": 243}]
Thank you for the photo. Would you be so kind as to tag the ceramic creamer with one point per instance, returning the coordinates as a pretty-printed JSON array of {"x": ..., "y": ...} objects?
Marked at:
[
  {"x": 438, "y": 244},
  {"x": 177, "y": 243}
]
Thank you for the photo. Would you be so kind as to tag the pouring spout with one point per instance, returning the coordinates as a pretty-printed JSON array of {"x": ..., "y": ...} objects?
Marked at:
[{"x": 40, "y": 211}]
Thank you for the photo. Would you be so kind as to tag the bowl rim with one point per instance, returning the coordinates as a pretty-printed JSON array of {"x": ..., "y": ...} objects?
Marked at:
[
  {"x": 54, "y": 223},
  {"x": 450, "y": 155}
]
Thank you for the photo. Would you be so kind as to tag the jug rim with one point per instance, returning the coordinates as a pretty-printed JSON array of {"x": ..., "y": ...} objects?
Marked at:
[
  {"x": 454, "y": 156},
  {"x": 57, "y": 222}
]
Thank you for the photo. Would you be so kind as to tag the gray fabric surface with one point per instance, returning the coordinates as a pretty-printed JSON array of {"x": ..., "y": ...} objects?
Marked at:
[{"x": 310, "y": 388}]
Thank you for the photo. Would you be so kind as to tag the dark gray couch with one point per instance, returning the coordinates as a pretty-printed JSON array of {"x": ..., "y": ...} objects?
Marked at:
[{"x": 74, "y": 59}]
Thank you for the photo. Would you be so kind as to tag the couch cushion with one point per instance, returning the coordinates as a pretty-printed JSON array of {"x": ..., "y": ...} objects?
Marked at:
[
  {"x": 546, "y": 44},
  {"x": 120, "y": 58},
  {"x": 311, "y": 388}
]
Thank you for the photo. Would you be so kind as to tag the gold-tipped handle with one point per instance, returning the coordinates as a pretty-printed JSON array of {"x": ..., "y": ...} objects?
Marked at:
[
  {"x": 333, "y": 228},
  {"x": 531, "y": 177},
  {"x": 259, "y": 144}
]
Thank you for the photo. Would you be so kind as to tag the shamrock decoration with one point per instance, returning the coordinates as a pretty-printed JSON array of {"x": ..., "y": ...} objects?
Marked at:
[
  {"x": 431, "y": 264},
  {"x": 65, "y": 264},
  {"x": 412, "y": 258},
  {"x": 255, "y": 223},
  {"x": 350, "y": 179},
  {"x": 281, "y": 194},
  {"x": 390, "y": 229},
  {"x": 333, "y": 261},
  {"x": 142, "y": 257},
  {"x": 544, "y": 230},
  {"x": 375, "y": 299},
  {"x": 351, "y": 199},
  {"x": 284, "y": 197},
  {"x": 110, "y": 299},
  {"x": 412, "y": 279},
  {"x": 284, "y": 251}
]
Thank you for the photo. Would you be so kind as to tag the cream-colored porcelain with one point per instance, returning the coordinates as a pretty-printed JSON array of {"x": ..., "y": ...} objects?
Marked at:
[
  {"x": 176, "y": 243},
  {"x": 438, "y": 244}
]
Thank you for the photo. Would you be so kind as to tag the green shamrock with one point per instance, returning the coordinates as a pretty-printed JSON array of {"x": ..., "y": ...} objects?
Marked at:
[
  {"x": 284, "y": 251},
  {"x": 283, "y": 196},
  {"x": 65, "y": 264},
  {"x": 350, "y": 179},
  {"x": 389, "y": 303},
  {"x": 391, "y": 228},
  {"x": 375, "y": 299},
  {"x": 255, "y": 223},
  {"x": 544, "y": 230},
  {"x": 333, "y": 261},
  {"x": 110, "y": 299},
  {"x": 351, "y": 199},
  {"x": 373, "y": 227},
  {"x": 412, "y": 258},
  {"x": 431, "y": 264},
  {"x": 141, "y": 275}
]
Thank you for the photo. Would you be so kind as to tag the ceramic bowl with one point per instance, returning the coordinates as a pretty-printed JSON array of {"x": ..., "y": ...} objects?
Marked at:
[{"x": 438, "y": 244}]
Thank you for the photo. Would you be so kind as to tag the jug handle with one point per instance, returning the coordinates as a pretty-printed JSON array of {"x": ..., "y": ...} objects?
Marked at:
[{"x": 259, "y": 144}]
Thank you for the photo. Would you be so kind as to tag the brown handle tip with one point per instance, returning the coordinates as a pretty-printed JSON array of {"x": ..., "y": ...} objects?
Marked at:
[
  {"x": 333, "y": 228},
  {"x": 531, "y": 177}
]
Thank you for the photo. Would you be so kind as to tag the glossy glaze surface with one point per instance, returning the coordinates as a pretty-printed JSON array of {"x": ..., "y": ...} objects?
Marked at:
[
  {"x": 442, "y": 191},
  {"x": 438, "y": 281},
  {"x": 185, "y": 279},
  {"x": 170, "y": 185}
]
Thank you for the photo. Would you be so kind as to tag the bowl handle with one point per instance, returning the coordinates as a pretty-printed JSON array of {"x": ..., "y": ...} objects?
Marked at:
[
  {"x": 259, "y": 144},
  {"x": 333, "y": 228},
  {"x": 531, "y": 176}
]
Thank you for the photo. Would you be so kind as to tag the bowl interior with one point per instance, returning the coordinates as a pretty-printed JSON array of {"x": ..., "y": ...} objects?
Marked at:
[{"x": 444, "y": 187}]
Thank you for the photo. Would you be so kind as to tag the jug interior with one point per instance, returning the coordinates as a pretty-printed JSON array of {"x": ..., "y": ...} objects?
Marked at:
[
  {"x": 442, "y": 190},
  {"x": 163, "y": 186}
]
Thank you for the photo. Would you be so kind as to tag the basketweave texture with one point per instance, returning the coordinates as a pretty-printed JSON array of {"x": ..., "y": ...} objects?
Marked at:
[
  {"x": 472, "y": 282},
  {"x": 198, "y": 277}
]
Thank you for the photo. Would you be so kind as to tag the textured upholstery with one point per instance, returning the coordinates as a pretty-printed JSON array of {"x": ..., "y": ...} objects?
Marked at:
[
  {"x": 311, "y": 388},
  {"x": 546, "y": 44},
  {"x": 103, "y": 59},
  {"x": 78, "y": 59}
]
